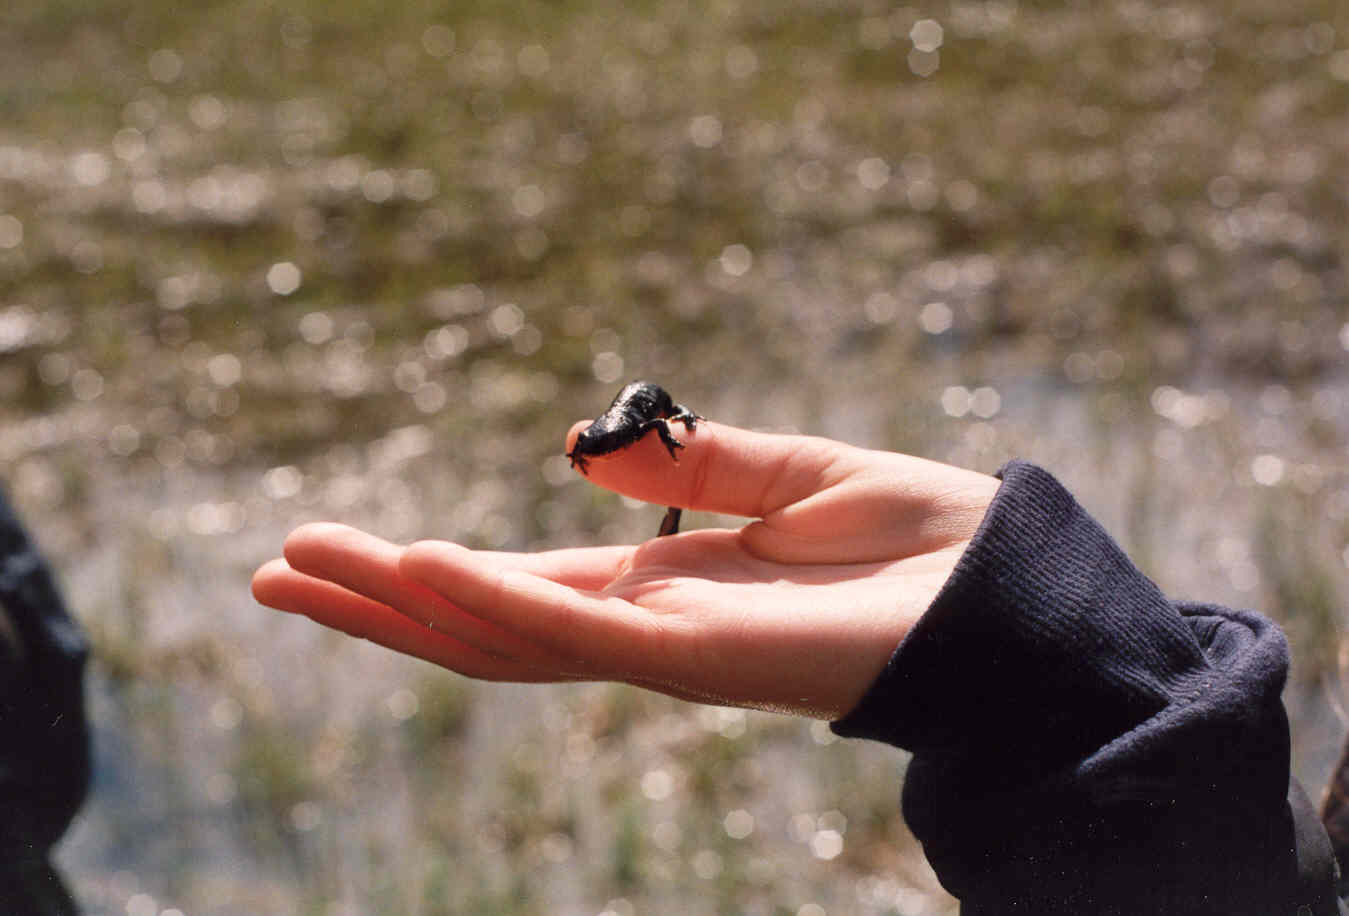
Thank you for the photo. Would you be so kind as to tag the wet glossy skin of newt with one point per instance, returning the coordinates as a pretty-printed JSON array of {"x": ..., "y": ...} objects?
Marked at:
[{"x": 639, "y": 408}]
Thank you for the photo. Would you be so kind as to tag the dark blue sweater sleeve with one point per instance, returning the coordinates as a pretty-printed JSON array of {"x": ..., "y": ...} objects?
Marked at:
[{"x": 1080, "y": 743}]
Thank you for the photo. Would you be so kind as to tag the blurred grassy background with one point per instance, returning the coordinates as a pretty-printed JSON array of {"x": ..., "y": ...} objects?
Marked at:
[{"x": 264, "y": 263}]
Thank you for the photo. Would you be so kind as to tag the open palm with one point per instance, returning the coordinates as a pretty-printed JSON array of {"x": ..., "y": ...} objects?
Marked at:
[{"x": 797, "y": 611}]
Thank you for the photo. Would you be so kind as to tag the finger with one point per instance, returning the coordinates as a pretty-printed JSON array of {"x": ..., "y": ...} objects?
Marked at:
[
  {"x": 723, "y": 468},
  {"x": 365, "y": 562},
  {"x": 823, "y": 501},
  {"x": 367, "y": 565},
  {"x": 601, "y": 635},
  {"x": 897, "y": 506},
  {"x": 278, "y": 586},
  {"x": 589, "y": 568}
]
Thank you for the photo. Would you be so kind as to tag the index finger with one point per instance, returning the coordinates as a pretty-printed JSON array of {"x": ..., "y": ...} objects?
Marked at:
[{"x": 723, "y": 468}]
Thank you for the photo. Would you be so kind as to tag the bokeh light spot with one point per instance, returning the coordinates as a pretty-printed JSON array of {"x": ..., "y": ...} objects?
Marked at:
[
  {"x": 926, "y": 35},
  {"x": 936, "y": 318},
  {"x": 705, "y": 131},
  {"x": 607, "y": 367},
  {"x": 736, "y": 260},
  {"x": 657, "y": 785},
  {"x": 283, "y": 278},
  {"x": 402, "y": 704},
  {"x": 1268, "y": 470},
  {"x": 738, "y": 824},
  {"x": 11, "y": 231},
  {"x": 826, "y": 844},
  {"x": 165, "y": 65},
  {"x": 873, "y": 173}
]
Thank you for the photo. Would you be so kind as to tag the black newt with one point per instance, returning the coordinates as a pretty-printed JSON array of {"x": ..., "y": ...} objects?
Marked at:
[{"x": 639, "y": 408}]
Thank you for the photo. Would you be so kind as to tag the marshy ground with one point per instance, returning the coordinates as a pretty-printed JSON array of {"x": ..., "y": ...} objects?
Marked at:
[{"x": 265, "y": 263}]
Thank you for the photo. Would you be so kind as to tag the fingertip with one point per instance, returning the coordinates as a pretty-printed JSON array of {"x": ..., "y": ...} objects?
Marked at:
[
  {"x": 278, "y": 586},
  {"x": 422, "y": 560},
  {"x": 574, "y": 433},
  {"x": 576, "y": 429},
  {"x": 331, "y": 547},
  {"x": 265, "y": 579},
  {"x": 305, "y": 538}
]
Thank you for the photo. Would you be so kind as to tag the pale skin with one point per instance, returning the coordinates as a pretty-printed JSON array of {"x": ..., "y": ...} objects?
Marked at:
[{"x": 797, "y": 611}]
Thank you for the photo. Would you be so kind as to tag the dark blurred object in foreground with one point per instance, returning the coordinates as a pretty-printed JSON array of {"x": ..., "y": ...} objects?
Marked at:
[
  {"x": 1335, "y": 815},
  {"x": 44, "y": 738}
]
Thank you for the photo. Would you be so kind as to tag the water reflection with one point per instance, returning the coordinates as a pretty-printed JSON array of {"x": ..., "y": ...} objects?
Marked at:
[{"x": 307, "y": 266}]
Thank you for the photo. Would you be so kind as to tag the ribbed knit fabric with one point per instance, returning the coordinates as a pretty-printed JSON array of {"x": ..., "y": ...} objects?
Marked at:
[{"x": 1083, "y": 745}]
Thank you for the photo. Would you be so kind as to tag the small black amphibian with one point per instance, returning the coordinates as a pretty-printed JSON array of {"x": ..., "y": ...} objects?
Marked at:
[{"x": 639, "y": 408}]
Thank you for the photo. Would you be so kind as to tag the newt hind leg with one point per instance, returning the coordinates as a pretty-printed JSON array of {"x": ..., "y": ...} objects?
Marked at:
[{"x": 662, "y": 429}]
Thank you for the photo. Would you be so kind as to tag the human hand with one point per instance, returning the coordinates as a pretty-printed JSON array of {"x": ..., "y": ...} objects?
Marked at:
[{"x": 798, "y": 611}]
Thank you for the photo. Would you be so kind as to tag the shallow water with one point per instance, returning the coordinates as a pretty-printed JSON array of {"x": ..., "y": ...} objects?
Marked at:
[{"x": 263, "y": 266}]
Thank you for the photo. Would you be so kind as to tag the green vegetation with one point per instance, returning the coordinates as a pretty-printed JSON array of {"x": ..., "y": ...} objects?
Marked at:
[{"x": 262, "y": 263}]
